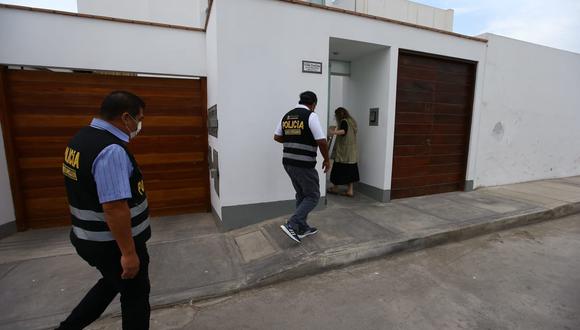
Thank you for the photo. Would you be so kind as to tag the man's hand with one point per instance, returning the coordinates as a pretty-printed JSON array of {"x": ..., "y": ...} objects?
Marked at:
[
  {"x": 130, "y": 264},
  {"x": 326, "y": 165}
]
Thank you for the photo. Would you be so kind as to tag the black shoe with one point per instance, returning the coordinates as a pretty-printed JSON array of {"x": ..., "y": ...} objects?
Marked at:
[
  {"x": 308, "y": 232},
  {"x": 290, "y": 232}
]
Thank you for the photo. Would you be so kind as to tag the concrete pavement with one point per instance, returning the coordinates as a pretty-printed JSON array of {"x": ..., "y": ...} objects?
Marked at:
[
  {"x": 42, "y": 279},
  {"x": 524, "y": 278}
]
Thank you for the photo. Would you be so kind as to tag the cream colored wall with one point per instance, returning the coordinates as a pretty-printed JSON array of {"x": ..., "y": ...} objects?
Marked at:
[{"x": 401, "y": 10}]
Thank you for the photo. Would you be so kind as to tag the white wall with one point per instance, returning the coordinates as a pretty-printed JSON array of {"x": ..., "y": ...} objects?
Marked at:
[
  {"x": 530, "y": 116},
  {"x": 44, "y": 39},
  {"x": 176, "y": 12},
  {"x": 367, "y": 88},
  {"x": 336, "y": 95},
  {"x": 6, "y": 203},
  {"x": 260, "y": 78},
  {"x": 212, "y": 56}
]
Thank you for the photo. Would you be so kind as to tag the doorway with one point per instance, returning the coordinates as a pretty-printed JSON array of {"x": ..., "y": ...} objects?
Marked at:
[{"x": 358, "y": 81}]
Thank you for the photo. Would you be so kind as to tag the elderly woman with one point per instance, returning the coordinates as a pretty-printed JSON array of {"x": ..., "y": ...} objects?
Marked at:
[{"x": 345, "y": 167}]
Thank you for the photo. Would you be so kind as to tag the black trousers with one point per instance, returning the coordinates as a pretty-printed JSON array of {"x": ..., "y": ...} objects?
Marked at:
[{"x": 134, "y": 292}]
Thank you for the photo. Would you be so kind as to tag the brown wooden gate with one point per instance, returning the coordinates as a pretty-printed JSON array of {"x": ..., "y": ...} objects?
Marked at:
[
  {"x": 42, "y": 110},
  {"x": 432, "y": 124}
]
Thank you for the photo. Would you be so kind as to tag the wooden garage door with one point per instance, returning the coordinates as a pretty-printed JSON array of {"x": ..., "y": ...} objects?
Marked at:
[
  {"x": 432, "y": 124},
  {"x": 43, "y": 111}
]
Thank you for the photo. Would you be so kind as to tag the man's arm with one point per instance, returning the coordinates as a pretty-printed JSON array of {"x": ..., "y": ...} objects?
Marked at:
[
  {"x": 112, "y": 170},
  {"x": 118, "y": 219},
  {"x": 320, "y": 137},
  {"x": 278, "y": 133},
  {"x": 323, "y": 146}
]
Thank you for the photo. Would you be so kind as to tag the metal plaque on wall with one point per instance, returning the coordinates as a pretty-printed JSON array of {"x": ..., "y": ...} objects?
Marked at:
[
  {"x": 212, "y": 121},
  {"x": 216, "y": 172}
]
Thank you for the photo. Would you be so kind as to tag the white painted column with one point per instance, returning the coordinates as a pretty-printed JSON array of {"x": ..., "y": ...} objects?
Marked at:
[
  {"x": 475, "y": 122},
  {"x": 391, "y": 109}
]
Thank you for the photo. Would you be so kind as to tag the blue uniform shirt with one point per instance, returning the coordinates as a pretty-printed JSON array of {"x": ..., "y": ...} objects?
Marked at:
[{"x": 112, "y": 168}]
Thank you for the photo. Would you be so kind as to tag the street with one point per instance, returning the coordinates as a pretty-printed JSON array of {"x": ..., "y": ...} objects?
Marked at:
[{"x": 524, "y": 278}]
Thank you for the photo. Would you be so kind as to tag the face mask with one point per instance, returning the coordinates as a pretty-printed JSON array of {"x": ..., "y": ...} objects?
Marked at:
[{"x": 134, "y": 133}]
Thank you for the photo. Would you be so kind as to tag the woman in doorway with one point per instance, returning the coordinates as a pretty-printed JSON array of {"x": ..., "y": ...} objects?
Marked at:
[{"x": 345, "y": 167}]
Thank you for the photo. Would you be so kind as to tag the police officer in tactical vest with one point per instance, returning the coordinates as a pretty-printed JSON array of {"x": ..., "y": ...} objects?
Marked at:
[
  {"x": 109, "y": 212},
  {"x": 301, "y": 134}
]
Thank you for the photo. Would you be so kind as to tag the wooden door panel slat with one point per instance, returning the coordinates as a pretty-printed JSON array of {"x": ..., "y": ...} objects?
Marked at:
[
  {"x": 48, "y": 108},
  {"x": 432, "y": 124}
]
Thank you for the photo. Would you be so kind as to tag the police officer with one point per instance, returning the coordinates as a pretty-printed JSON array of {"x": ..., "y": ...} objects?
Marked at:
[
  {"x": 109, "y": 212},
  {"x": 301, "y": 134}
]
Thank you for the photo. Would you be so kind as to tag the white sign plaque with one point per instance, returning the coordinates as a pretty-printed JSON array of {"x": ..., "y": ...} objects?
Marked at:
[{"x": 312, "y": 67}]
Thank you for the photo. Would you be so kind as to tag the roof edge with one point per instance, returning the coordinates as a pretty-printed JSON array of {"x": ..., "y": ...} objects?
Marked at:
[{"x": 103, "y": 18}]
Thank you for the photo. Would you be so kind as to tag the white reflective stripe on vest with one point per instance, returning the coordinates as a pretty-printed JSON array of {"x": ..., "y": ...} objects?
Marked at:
[
  {"x": 299, "y": 157},
  {"x": 300, "y": 146},
  {"x": 89, "y": 215},
  {"x": 106, "y": 236}
]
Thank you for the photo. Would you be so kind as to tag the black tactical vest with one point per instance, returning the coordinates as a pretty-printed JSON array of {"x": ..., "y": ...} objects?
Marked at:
[
  {"x": 88, "y": 218},
  {"x": 300, "y": 147}
]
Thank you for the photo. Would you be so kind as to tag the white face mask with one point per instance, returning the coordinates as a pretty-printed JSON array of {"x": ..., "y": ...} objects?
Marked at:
[{"x": 134, "y": 133}]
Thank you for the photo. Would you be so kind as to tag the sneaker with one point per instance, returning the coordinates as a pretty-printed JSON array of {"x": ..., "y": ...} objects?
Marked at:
[
  {"x": 308, "y": 232},
  {"x": 290, "y": 232}
]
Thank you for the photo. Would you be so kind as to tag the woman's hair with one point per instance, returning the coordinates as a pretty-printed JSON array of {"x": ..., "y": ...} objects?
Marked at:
[{"x": 341, "y": 113}]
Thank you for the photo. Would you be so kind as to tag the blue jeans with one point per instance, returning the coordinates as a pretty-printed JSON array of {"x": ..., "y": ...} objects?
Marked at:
[{"x": 307, "y": 186}]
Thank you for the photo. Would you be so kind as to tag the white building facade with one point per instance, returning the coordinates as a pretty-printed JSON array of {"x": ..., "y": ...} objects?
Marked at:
[{"x": 518, "y": 99}]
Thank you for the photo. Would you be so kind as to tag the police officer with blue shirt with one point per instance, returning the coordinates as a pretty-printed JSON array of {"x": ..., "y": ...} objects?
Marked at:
[{"x": 109, "y": 212}]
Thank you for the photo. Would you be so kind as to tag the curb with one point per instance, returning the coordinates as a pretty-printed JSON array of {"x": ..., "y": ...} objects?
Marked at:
[{"x": 362, "y": 252}]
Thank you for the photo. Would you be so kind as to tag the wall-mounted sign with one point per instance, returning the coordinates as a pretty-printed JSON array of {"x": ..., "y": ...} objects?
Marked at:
[
  {"x": 212, "y": 121},
  {"x": 312, "y": 67}
]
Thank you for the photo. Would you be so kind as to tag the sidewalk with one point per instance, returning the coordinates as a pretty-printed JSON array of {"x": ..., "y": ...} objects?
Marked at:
[{"x": 42, "y": 279}]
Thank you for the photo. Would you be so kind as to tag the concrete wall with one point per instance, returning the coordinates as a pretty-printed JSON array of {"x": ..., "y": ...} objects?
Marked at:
[
  {"x": 260, "y": 78},
  {"x": 367, "y": 88},
  {"x": 44, "y": 39},
  {"x": 176, "y": 12},
  {"x": 401, "y": 10},
  {"x": 530, "y": 117}
]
